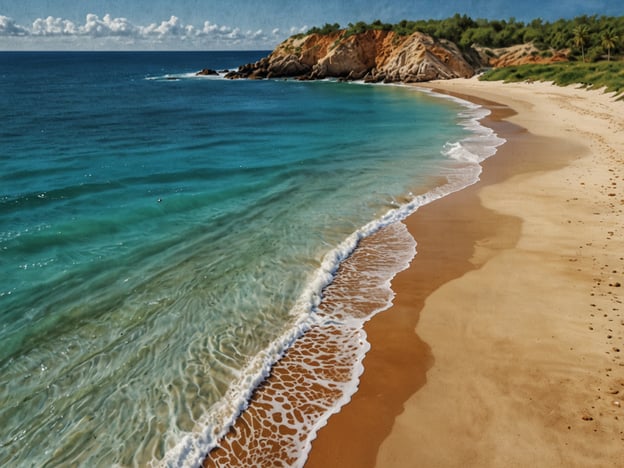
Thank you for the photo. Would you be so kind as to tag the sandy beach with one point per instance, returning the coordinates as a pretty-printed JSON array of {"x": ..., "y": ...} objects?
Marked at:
[{"x": 504, "y": 345}]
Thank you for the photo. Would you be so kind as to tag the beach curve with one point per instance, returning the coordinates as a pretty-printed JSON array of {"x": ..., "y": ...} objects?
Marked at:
[{"x": 522, "y": 327}]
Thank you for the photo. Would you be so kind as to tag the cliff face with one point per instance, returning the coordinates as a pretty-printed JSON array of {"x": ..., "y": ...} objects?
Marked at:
[
  {"x": 520, "y": 55},
  {"x": 373, "y": 56}
]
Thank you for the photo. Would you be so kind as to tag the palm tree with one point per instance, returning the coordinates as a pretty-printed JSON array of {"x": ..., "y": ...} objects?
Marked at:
[
  {"x": 581, "y": 34},
  {"x": 609, "y": 38}
]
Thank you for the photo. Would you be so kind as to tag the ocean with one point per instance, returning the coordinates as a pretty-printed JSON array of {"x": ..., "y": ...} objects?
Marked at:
[{"x": 166, "y": 238}]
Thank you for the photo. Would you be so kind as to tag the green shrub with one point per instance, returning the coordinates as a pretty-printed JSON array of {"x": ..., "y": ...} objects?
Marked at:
[{"x": 325, "y": 30}]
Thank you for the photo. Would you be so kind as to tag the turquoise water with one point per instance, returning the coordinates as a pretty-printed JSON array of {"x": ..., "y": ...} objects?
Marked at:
[{"x": 164, "y": 237}]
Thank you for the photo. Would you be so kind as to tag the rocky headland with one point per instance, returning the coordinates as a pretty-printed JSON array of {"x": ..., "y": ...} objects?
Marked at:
[
  {"x": 372, "y": 56},
  {"x": 379, "y": 56}
]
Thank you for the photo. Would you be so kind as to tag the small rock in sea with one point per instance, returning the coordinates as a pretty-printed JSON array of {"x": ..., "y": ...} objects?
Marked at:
[{"x": 206, "y": 72}]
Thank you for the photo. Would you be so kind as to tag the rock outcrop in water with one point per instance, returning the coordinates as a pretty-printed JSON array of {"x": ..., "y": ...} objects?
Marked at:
[
  {"x": 372, "y": 56},
  {"x": 207, "y": 72}
]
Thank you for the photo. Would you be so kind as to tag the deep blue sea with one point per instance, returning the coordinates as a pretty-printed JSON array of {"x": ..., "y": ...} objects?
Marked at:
[{"x": 164, "y": 238}]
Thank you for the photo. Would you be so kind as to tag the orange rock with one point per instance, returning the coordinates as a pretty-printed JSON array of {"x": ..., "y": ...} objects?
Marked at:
[{"x": 373, "y": 55}]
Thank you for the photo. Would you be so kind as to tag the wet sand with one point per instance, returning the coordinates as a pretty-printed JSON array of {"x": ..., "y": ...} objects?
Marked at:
[{"x": 503, "y": 347}]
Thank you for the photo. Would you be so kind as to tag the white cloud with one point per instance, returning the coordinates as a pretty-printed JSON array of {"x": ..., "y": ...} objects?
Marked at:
[
  {"x": 255, "y": 34},
  {"x": 107, "y": 26},
  {"x": 108, "y": 30},
  {"x": 234, "y": 34},
  {"x": 8, "y": 27},
  {"x": 53, "y": 26},
  {"x": 295, "y": 30},
  {"x": 209, "y": 28},
  {"x": 172, "y": 27}
]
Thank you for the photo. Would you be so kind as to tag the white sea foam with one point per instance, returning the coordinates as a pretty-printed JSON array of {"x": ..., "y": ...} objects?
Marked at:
[
  {"x": 481, "y": 143},
  {"x": 192, "y": 447},
  {"x": 187, "y": 76}
]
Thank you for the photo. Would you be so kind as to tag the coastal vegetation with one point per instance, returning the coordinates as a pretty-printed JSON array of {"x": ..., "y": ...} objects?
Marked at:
[
  {"x": 608, "y": 75},
  {"x": 589, "y": 38}
]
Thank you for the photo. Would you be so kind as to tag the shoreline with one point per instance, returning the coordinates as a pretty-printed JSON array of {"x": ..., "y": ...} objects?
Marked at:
[
  {"x": 515, "y": 374},
  {"x": 384, "y": 248}
]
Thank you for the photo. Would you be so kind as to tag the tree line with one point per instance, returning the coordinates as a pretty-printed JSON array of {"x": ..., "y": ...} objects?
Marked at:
[{"x": 590, "y": 38}]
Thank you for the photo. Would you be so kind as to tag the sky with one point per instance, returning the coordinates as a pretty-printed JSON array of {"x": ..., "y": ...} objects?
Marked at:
[{"x": 237, "y": 24}]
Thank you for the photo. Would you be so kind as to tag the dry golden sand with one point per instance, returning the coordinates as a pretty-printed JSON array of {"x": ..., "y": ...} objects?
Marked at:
[{"x": 512, "y": 307}]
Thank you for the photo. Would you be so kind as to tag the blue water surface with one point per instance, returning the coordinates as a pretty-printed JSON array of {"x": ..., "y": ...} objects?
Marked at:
[{"x": 157, "y": 230}]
